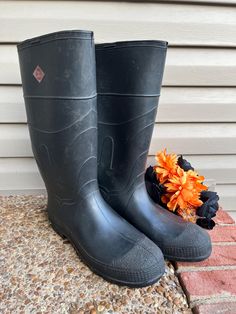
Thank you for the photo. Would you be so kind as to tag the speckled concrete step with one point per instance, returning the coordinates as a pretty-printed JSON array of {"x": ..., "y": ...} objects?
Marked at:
[{"x": 41, "y": 273}]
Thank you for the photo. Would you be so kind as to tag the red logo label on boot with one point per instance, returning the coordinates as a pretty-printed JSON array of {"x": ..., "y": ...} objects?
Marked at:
[{"x": 38, "y": 74}]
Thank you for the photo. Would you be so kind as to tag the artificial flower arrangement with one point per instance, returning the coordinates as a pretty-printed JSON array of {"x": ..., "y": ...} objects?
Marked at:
[{"x": 174, "y": 184}]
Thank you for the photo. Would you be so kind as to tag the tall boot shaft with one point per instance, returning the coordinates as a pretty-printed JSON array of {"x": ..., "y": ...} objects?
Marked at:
[
  {"x": 59, "y": 84},
  {"x": 129, "y": 76}
]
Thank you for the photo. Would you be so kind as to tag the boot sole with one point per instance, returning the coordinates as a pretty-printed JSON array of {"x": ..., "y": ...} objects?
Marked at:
[{"x": 94, "y": 270}]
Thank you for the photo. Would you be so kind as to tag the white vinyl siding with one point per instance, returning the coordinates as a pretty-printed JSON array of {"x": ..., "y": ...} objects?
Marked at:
[{"x": 197, "y": 109}]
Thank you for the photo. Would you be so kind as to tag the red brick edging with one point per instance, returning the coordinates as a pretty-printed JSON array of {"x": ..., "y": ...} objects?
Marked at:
[{"x": 210, "y": 286}]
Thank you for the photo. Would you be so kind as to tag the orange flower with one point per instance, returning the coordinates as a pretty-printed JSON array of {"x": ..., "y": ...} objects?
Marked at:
[
  {"x": 167, "y": 165},
  {"x": 183, "y": 188},
  {"x": 183, "y": 191},
  {"x": 197, "y": 180}
]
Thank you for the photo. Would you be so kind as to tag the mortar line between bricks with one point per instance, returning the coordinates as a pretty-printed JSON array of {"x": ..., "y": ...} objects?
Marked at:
[
  {"x": 204, "y": 268},
  {"x": 211, "y": 300},
  {"x": 223, "y": 243},
  {"x": 225, "y": 225}
]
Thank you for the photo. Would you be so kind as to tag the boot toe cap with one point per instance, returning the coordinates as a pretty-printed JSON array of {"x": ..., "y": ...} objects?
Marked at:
[
  {"x": 141, "y": 266},
  {"x": 193, "y": 244}
]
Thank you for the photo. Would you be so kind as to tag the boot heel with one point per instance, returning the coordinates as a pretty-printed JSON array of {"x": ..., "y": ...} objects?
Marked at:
[{"x": 57, "y": 230}]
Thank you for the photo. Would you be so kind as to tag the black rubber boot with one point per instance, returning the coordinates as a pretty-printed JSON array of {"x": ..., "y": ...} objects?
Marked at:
[
  {"x": 129, "y": 76},
  {"x": 59, "y": 83}
]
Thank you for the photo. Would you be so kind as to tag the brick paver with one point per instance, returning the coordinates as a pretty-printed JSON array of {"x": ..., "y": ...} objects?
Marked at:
[
  {"x": 223, "y": 234},
  {"x": 223, "y": 217},
  {"x": 218, "y": 308},
  {"x": 207, "y": 284},
  {"x": 213, "y": 280},
  {"x": 222, "y": 255}
]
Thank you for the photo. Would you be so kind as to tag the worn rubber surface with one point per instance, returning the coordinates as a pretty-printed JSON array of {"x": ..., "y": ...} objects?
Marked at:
[
  {"x": 59, "y": 84},
  {"x": 129, "y": 76}
]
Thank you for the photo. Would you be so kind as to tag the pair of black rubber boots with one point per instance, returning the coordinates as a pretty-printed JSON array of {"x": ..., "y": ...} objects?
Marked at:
[{"x": 121, "y": 235}]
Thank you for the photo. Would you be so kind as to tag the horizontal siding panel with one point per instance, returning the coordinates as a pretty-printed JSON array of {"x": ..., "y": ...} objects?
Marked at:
[
  {"x": 12, "y": 109},
  {"x": 14, "y": 141},
  {"x": 215, "y": 138},
  {"x": 27, "y": 191},
  {"x": 9, "y": 66},
  {"x": 223, "y": 2},
  {"x": 221, "y": 168},
  {"x": 20, "y": 175},
  {"x": 207, "y": 104},
  {"x": 200, "y": 67},
  {"x": 227, "y": 195},
  {"x": 177, "y": 104},
  {"x": 185, "y": 66},
  {"x": 185, "y": 138},
  {"x": 180, "y": 24}
]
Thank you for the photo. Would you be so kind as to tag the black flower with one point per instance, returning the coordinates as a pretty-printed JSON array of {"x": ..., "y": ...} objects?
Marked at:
[
  {"x": 206, "y": 223},
  {"x": 210, "y": 204},
  {"x": 150, "y": 175},
  {"x": 184, "y": 164},
  {"x": 153, "y": 186}
]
